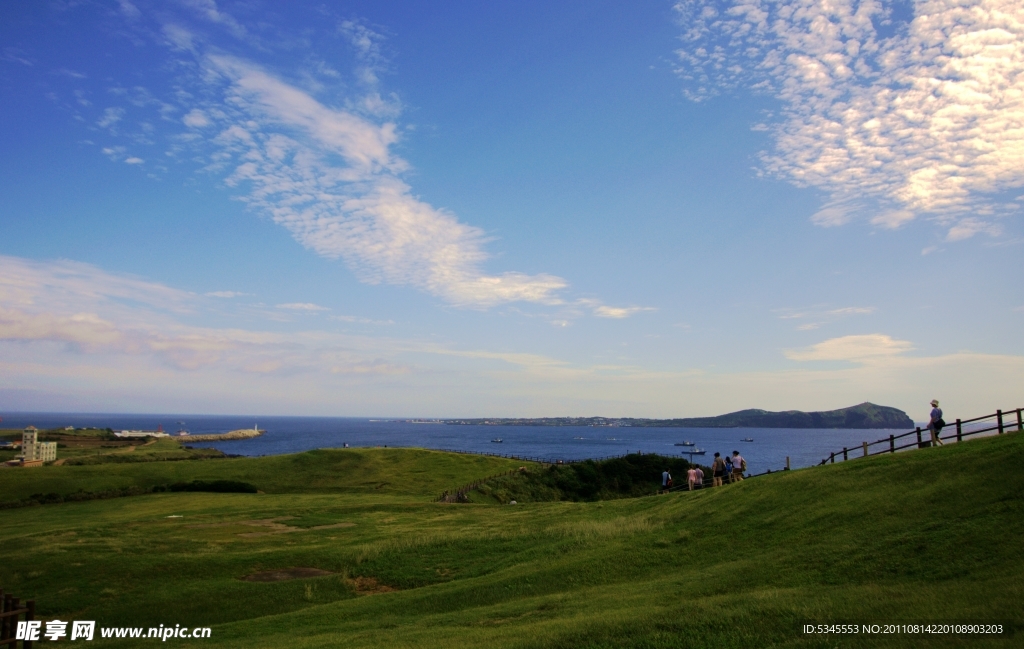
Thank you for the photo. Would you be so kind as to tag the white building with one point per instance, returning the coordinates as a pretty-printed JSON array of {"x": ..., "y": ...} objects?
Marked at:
[
  {"x": 33, "y": 450},
  {"x": 140, "y": 433}
]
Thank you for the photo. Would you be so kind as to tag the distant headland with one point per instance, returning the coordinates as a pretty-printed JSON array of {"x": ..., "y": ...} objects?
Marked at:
[
  {"x": 243, "y": 433},
  {"x": 865, "y": 415}
]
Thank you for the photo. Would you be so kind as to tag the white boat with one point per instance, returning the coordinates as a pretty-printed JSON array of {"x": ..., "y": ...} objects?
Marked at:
[
  {"x": 747, "y": 439},
  {"x": 686, "y": 443},
  {"x": 696, "y": 451},
  {"x": 496, "y": 440}
]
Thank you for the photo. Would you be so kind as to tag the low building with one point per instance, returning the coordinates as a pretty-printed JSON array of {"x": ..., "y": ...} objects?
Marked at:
[{"x": 140, "y": 434}]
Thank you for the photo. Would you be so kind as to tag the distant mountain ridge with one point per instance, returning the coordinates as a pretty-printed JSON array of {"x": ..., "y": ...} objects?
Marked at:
[{"x": 865, "y": 415}]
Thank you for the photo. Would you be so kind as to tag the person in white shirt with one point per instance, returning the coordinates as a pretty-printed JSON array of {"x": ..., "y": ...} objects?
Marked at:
[{"x": 739, "y": 465}]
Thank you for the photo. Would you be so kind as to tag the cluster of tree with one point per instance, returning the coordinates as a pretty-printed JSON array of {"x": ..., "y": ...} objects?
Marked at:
[
  {"x": 625, "y": 477},
  {"x": 53, "y": 498}
]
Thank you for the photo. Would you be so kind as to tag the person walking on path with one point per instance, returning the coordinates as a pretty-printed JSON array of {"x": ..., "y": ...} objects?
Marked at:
[
  {"x": 717, "y": 470},
  {"x": 666, "y": 480},
  {"x": 700, "y": 477},
  {"x": 739, "y": 465},
  {"x": 728, "y": 468},
  {"x": 935, "y": 423},
  {"x": 691, "y": 477}
]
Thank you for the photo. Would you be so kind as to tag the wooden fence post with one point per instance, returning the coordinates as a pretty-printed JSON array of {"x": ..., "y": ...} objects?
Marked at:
[
  {"x": 832, "y": 458},
  {"x": 865, "y": 449},
  {"x": 892, "y": 444},
  {"x": 1020, "y": 424},
  {"x": 787, "y": 463},
  {"x": 918, "y": 437},
  {"x": 3, "y": 620},
  {"x": 959, "y": 431},
  {"x": 12, "y": 622},
  {"x": 29, "y": 616},
  {"x": 999, "y": 419},
  {"x": 844, "y": 454}
]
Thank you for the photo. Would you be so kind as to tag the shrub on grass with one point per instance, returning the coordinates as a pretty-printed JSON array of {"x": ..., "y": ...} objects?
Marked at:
[{"x": 214, "y": 486}]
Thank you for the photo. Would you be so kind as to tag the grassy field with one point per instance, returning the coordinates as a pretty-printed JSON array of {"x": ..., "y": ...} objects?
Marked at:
[
  {"x": 411, "y": 472},
  {"x": 932, "y": 535}
]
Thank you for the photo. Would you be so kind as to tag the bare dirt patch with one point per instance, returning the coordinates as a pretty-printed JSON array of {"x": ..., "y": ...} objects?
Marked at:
[
  {"x": 271, "y": 526},
  {"x": 369, "y": 586},
  {"x": 285, "y": 574}
]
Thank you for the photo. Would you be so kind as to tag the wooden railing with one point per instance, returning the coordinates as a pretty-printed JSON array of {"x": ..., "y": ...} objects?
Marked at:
[
  {"x": 999, "y": 422},
  {"x": 10, "y": 610}
]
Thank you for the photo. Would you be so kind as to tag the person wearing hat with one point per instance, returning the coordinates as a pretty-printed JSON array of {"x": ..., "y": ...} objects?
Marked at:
[{"x": 935, "y": 423}]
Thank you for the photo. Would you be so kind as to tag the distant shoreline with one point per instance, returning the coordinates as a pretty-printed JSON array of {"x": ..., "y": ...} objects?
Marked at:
[
  {"x": 242, "y": 433},
  {"x": 862, "y": 416}
]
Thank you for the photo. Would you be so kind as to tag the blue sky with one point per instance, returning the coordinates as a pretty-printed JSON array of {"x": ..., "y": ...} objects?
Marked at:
[{"x": 458, "y": 209}]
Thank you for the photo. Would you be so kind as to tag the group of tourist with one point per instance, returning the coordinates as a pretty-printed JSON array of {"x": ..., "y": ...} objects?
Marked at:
[{"x": 729, "y": 469}]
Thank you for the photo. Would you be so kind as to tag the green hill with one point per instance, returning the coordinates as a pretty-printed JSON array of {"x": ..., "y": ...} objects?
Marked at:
[
  {"x": 405, "y": 472},
  {"x": 931, "y": 535}
]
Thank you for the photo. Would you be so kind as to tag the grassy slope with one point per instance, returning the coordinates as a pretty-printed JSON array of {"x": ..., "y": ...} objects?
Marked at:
[
  {"x": 929, "y": 535},
  {"x": 395, "y": 471}
]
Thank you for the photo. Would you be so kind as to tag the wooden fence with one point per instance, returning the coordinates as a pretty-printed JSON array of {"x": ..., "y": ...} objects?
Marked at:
[
  {"x": 999, "y": 422},
  {"x": 10, "y": 610}
]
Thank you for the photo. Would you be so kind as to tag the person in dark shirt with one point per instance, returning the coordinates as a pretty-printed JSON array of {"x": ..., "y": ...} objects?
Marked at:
[{"x": 935, "y": 422}]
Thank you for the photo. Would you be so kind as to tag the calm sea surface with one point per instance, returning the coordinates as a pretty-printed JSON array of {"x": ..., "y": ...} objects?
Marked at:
[{"x": 769, "y": 449}]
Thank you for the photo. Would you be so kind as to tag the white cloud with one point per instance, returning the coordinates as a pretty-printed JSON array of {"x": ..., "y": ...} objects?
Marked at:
[
  {"x": 833, "y": 215},
  {"x": 851, "y": 348},
  {"x": 852, "y": 310},
  {"x": 922, "y": 116},
  {"x": 601, "y": 310},
  {"x": 328, "y": 176},
  {"x": 605, "y": 311},
  {"x": 302, "y": 306},
  {"x": 225, "y": 294},
  {"x": 968, "y": 227},
  {"x": 129, "y": 10},
  {"x": 84, "y": 310},
  {"x": 67, "y": 287},
  {"x": 196, "y": 119},
  {"x": 134, "y": 161},
  {"x": 360, "y": 320},
  {"x": 70, "y": 332},
  {"x": 821, "y": 315},
  {"x": 111, "y": 116},
  {"x": 208, "y": 10}
]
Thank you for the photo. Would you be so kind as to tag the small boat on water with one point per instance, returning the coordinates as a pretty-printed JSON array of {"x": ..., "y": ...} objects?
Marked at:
[
  {"x": 686, "y": 443},
  {"x": 577, "y": 437},
  {"x": 696, "y": 451},
  {"x": 747, "y": 439},
  {"x": 496, "y": 440}
]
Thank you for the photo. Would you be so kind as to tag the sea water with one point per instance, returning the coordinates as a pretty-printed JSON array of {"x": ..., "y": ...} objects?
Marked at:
[{"x": 768, "y": 450}]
